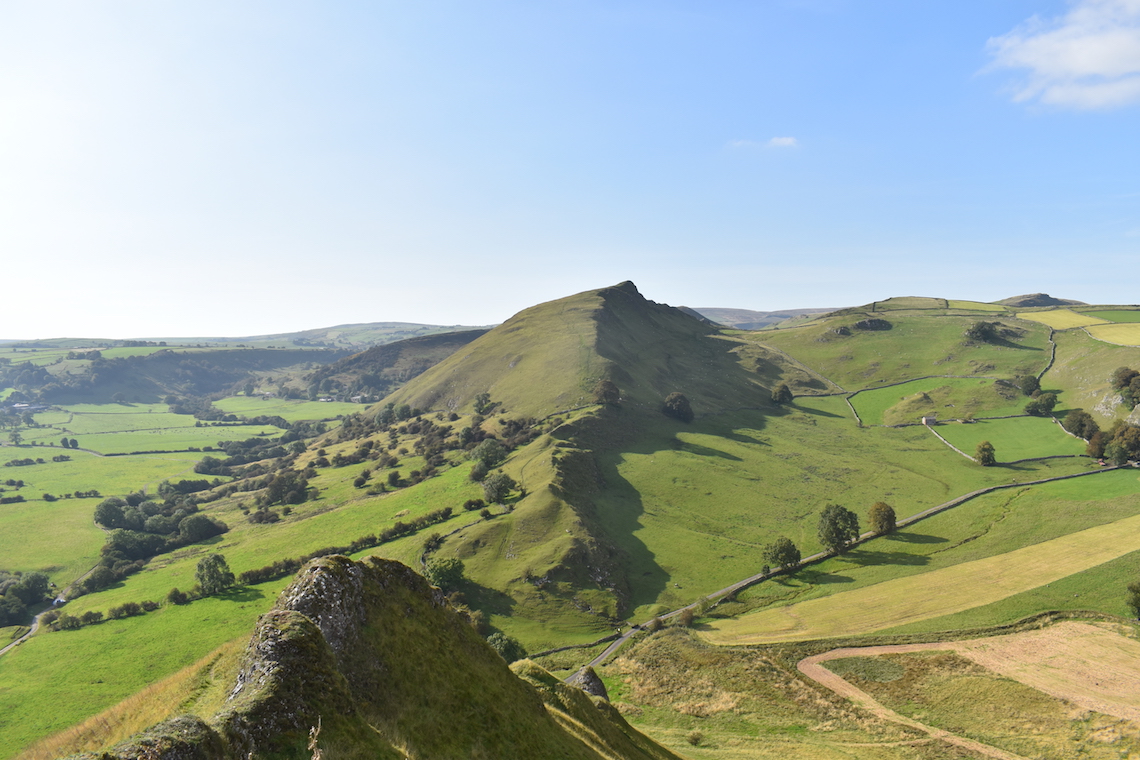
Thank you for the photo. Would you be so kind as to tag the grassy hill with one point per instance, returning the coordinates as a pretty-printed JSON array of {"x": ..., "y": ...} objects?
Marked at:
[
  {"x": 372, "y": 658},
  {"x": 622, "y": 512}
]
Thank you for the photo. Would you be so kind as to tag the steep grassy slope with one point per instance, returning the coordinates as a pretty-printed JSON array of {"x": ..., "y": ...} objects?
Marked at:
[
  {"x": 549, "y": 357},
  {"x": 372, "y": 655}
]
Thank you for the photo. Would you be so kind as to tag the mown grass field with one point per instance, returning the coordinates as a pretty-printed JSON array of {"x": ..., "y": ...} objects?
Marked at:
[
  {"x": 983, "y": 530},
  {"x": 291, "y": 410},
  {"x": 1015, "y": 438},
  {"x": 1126, "y": 334},
  {"x": 1061, "y": 319},
  {"x": 948, "y": 691},
  {"x": 1116, "y": 315},
  {"x": 947, "y": 397},
  {"x": 915, "y": 346}
]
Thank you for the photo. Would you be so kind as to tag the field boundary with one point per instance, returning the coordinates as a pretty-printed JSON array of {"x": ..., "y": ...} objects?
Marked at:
[{"x": 720, "y": 595}]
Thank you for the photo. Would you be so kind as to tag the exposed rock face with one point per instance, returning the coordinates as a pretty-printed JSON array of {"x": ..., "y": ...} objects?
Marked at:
[
  {"x": 873, "y": 323},
  {"x": 372, "y": 654},
  {"x": 588, "y": 681}
]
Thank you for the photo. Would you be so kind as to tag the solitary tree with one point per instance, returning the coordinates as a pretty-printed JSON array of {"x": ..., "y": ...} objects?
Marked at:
[
  {"x": 781, "y": 552},
  {"x": 838, "y": 527},
  {"x": 882, "y": 518},
  {"x": 447, "y": 573},
  {"x": 677, "y": 406},
  {"x": 496, "y": 486},
  {"x": 782, "y": 395},
  {"x": 213, "y": 574},
  {"x": 984, "y": 454},
  {"x": 508, "y": 648},
  {"x": 1134, "y": 597},
  {"x": 605, "y": 392}
]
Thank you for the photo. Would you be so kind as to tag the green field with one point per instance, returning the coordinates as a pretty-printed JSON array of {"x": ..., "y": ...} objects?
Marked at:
[
  {"x": 915, "y": 346},
  {"x": 1117, "y": 315},
  {"x": 977, "y": 306},
  {"x": 915, "y": 598},
  {"x": 729, "y": 486},
  {"x": 1000, "y": 542},
  {"x": 946, "y": 397},
  {"x": 288, "y": 409},
  {"x": 1014, "y": 439}
]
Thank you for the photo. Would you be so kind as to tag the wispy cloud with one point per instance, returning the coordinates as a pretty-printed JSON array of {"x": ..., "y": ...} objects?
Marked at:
[
  {"x": 783, "y": 142},
  {"x": 1087, "y": 59}
]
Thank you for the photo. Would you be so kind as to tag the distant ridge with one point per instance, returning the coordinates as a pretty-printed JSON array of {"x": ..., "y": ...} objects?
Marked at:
[
  {"x": 1039, "y": 299},
  {"x": 744, "y": 319}
]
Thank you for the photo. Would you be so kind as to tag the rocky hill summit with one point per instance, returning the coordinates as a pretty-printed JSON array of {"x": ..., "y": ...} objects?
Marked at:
[
  {"x": 373, "y": 656},
  {"x": 1039, "y": 299}
]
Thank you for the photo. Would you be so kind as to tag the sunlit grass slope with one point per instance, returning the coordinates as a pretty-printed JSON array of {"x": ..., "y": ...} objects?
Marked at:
[
  {"x": 945, "y": 397},
  {"x": 964, "y": 558},
  {"x": 1082, "y": 373},
  {"x": 1061, "y": 319},
  {"x": 1015, "y": 439},
  {"x": 914, "y": 347}
]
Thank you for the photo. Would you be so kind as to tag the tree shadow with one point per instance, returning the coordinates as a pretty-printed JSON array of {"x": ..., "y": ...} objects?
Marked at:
[
  {"x": 865, "y": 557},
  {"x": 915, "y": 538},
  {"x": 819, "y": 578},
  {"x": 241, "y": 594}
]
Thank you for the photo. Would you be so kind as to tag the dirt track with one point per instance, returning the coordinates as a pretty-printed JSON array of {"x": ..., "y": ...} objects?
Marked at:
[{"x": 1090, "y": 665}]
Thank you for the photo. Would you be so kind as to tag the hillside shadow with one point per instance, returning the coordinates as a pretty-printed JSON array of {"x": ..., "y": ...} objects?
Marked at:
[
  {"x": 704, "y": 451},
  {"x": 486, "y": 599},
  {"x": 816, "y": 412}
]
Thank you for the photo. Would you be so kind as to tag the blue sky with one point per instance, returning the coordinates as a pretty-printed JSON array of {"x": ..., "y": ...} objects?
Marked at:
[{"x": 244, "y": 167}]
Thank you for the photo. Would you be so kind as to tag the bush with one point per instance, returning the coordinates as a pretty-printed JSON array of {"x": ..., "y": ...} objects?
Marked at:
[
  {"x": 177, "y": 597},
  {"x": 508, "y": 648},
  {"x": 677, "y": 406}
]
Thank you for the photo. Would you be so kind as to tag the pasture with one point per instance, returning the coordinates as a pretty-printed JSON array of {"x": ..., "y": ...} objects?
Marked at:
[
  {"x": 1116, "y": 315},
  {"x": 948, "y": 397},
  {"x": 1082, "y": 372},
  {"x": 1123, "y": 334},
  {"x": 291, "y": 410},
  {"x": 986, "y": 526},
  {"x": 1015, "y": 438},
  {"x": 915, "y": 346},
  {"x": 977, "y": 306},
  {"x": 727, "y": 486},
  {"x": 932, "y": 594},
  {"x": 1061, "y": 319}
]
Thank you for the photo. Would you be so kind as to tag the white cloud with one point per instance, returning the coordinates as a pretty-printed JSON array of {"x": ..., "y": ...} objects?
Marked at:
[
  {"x": 783, "y": 142},
  {"x": 1087, "y": 59}
]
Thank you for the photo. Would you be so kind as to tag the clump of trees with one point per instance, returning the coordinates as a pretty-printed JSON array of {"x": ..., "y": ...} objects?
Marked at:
[
  {"x": 18, "y": 592},
  {"x": 1081, "y": 424},
  {"x": 838, "y": 528},
  {"x": 677, "y": 406},
  {"x": 1119, "y": 445},
  {"x": 446, "y": 573},
  {"x": 1127, "y": 381},
  {"x": 1042, "y": 405},
  {"x": 497, "y": 486},
  {"x": 508, "y": 648}
]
